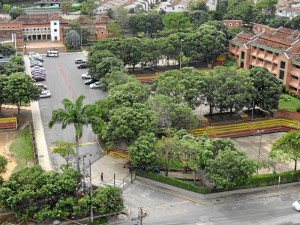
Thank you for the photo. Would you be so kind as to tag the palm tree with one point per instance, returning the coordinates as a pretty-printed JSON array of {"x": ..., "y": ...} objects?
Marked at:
[{"x": 76, "y": 114}]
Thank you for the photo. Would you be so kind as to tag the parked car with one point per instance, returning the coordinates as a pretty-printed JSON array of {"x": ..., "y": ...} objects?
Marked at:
[
  {"x": 38, "y": 71},
  {"x": 36, "y": 64},
  {"x": 90, "y": 81},
  {"x": 45, "y": 94},
  {"x": 86, "y": 76},
  {"x": 38, "y": 68},
  {"x": 38, "y": 58},
  {"x": 42, "y": 86},
  {"x": 82, "y": 66},
  {"x": 79, "y": 61},
  {"x": 38, "y": 74},
  {"x": 39, "y": 78},
  {"x": 296, "y": 205},
  {"x": 96, "y": 85}
]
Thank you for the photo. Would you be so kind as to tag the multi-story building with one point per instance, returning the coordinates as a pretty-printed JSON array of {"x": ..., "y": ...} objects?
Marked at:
[
  {"x": 288, "y": 8},
  {"x": 43, "y": 27},
  {"x": 277, "y": 50}
]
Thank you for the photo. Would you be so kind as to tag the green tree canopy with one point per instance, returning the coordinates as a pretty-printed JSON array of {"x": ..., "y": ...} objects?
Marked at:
[
  {"x": 76, "y": 114},
  {"x": 126, "y": 123},
  {"x": 267, "y": 89},
  {"x": 142, "y": 150},
  {"x": 73, "y": 39},
  {"x": 19, "y": 88},
  {"x": 129, "y": 93},
  {"x": 287, "y": 148},
  {"x": 229, "y": 169},
  {"x": 15, "y": 12},
  {"x": 177, "y": 21}
]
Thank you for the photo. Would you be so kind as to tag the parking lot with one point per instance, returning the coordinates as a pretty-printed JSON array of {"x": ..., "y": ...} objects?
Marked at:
[{"x": 64, "y": 80}]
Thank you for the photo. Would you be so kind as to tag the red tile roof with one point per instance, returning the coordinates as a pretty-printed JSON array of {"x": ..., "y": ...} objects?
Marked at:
[
  {"x": 38, "y": 19},
  {"x": 243, "y": 38}
]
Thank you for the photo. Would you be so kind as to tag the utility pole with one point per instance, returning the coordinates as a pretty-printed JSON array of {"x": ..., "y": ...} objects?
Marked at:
[
  {"x": 259, "y": 132},
  {"x": 81, "y": 38},
  {"x": 91, "y": 191},
  {"x": 180, "y": 57}
]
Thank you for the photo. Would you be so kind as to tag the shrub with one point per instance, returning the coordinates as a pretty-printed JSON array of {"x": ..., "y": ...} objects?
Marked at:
[
  {"x": 174, "y": 182},
  {"x": 272, "y": 179}
]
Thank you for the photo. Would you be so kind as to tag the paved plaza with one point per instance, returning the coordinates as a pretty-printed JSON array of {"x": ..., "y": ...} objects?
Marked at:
[{"x": 251, "y": 145}]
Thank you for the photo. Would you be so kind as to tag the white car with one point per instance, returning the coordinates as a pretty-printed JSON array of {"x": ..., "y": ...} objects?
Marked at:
[
  {"x": 296, "y": 205},
  {"x": 45, "y": 94},
  {"x": 41, "y": 86},
  {"x": 96, "y": 85},
  {"x": 86, "y": 76}
]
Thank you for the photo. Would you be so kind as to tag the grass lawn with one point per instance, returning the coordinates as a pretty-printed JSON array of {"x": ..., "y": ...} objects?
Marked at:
[
  {"x": 21, "y": 147},
  {"x": 288, "y": 103}
]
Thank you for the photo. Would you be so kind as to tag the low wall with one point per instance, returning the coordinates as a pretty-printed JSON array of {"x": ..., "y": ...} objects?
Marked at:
[{"x": 287, "y": 115}]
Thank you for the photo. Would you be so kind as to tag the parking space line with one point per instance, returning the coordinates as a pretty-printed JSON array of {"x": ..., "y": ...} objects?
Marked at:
[{"x": 66, "y": 81}]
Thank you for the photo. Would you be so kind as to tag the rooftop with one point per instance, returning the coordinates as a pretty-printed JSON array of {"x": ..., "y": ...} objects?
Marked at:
[{"x": 38, "y": 19}]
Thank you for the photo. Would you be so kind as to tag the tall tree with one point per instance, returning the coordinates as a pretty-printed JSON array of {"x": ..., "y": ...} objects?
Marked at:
[
  {"x": 96, "y": 57},
  {"x": 7, "y": 50},
  {"x": 267, "y": 89},
  {"x": 73, "y": 39},
  {"x": 295, "y": 23},
  {"x": 198, "y": 17},
  {"x": 3, "y": 80},
  {"x": 107, "y": 65},
  {"x": 230, "y": 169},
  {"x": 76, "y": 114},
  {"x": 177, "y": 21},
  {"x": 15, "y": 12},
  {"x": 142, "y": 150},
  {"x": 129, "y": 93},
  {"x": 268, "y": 7},
  {"x": 19, "y": 88},
  {"x": 126, "y": 123},
  {"x": 65, "y": 150},
  {"x": 287, "y": 148},
  {"x": 167, "y": 149}
]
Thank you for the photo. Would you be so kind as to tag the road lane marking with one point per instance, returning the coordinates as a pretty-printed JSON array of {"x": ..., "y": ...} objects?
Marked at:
[{"x": 67, "y": 81}]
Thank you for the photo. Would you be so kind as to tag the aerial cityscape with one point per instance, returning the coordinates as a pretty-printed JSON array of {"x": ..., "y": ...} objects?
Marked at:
[{"x": 167, "y": 112}]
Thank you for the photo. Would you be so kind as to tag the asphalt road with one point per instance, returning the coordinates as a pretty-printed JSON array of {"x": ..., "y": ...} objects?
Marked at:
[
  {"x": 164, "y": 209},
  {"x": 64, "y": 81}
]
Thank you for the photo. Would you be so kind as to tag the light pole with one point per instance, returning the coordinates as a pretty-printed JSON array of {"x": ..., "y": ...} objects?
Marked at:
[
  {"x": 259, "y": 132},
  {"x": 91, "y": 192},
  {"x": 180, "y": 56},
  {"x": 81, "y": 38}
]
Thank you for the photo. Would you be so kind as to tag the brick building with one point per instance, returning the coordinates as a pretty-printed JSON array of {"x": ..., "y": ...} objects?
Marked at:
[
  {"x": 43, "y": 27},
  {"x": 277, "y": 50}
]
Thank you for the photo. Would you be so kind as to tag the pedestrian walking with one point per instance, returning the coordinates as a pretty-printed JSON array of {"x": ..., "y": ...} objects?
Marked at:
[{"x": 101, "y": 176}]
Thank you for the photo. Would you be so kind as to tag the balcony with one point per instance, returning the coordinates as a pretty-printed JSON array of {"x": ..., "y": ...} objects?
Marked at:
[{"x": 295, "y": 72}]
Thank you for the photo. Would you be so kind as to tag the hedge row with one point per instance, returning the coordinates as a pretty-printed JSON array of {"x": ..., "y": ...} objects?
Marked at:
[
  {"x": 261, "y": 180},
  {"x": 174, "y": 182}
]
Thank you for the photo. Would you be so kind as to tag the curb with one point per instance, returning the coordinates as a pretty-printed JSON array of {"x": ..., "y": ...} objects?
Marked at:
[{"x": 208, "y": 199}]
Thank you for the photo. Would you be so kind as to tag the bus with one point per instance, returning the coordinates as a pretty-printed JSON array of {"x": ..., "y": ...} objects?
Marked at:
[{"x": 52, "y": 53}]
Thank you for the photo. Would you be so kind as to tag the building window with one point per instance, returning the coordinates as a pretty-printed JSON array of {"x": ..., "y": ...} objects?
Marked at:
[
  {"x": 282, "y": 65},
  {"x": 33, "y": 28},
  {"x": 237, "y": 24},
  {"x": 243, "y": 55},
  {"x": 268, "y": 62},
  {"x": 277, "y": 54},
  {"x": 253, "y": 57},
  {"x": 281, "y": 74},
  {"x": 294, "y": 77},
  {"x": 270, "y": 52},
  {"x": 55, "y": 23},
  {"x": 293, "y": 88},
  {"x": 261, "y": 60},
  {"x": 38, "y": 28},
  {"x": 297, "y": 67},
  {"x": 255, "y": 47},
  {"x": 230, "y": 24},
  {"x": 55, "y": 30}
]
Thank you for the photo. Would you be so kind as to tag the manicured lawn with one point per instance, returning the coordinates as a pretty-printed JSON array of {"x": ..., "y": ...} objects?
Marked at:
[
  {"x": 289, "y": 103},
  {"x": 21, "y": 147}
]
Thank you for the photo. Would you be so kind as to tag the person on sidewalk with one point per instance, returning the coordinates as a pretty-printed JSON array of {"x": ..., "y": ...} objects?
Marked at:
[{"x": 101, "y": 176}]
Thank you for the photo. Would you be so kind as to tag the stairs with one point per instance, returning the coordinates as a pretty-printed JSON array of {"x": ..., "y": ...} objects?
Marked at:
[
  {"x": 118, "y": 153},
  {"x": 247, "y": 129}
]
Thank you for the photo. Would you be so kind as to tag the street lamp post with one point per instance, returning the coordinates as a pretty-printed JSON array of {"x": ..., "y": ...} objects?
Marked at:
[
  {"x": 81, "y": 38},
  {"x": 259, "y": 132},
  {"x": 180, "y": 57}
]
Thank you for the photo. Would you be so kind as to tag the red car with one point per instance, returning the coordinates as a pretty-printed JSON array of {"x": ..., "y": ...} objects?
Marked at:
[{"x": 38, "y": 78}]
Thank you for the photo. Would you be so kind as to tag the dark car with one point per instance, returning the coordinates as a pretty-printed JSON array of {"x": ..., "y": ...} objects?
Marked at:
[
  {"x": 38, "y": 78},
  {"x": 90, "y": 81},
  {"x": 82, "y": 66}
]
